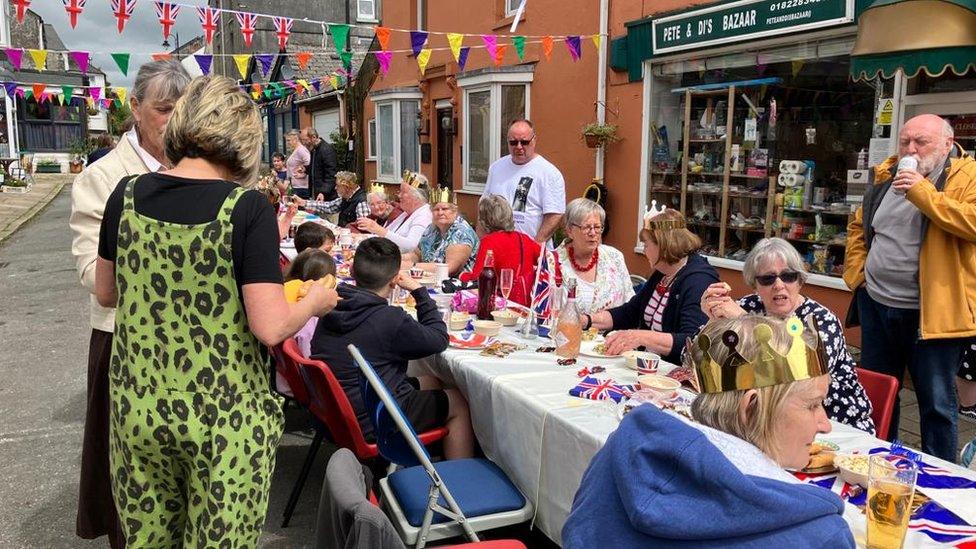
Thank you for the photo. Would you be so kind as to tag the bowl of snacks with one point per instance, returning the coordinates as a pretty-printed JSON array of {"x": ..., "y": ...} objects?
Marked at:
[
  {"x": 505, "y": 317},
  {"x": 853, "y": 468},
  {"x": 487, "y": 327},
  {"x": 657, "y": 382},
  {"x": 459, "y": 321}
]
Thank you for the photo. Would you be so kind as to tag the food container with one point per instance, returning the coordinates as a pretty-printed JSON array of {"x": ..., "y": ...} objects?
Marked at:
[
  {"x": 487, "y": 327},
  {"x": 416, "y": 272},
  {"x": 853, "y": 468},
  {"x": 642, "y": 361},
  {"x": 459, "y": 321},
  {"x": 657, "y": 382},
  {"x": 505, "y": 317}
]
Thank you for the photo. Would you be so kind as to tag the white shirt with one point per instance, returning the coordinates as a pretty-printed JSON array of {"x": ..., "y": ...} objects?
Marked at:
[
  {"x": 406, "y": 229},
  {"x": 534, "y": 189},
  {"x": 149, "y": 160}
]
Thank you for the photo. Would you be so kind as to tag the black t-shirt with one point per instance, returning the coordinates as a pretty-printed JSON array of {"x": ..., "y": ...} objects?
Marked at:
[{"x": 196, "y": 201}]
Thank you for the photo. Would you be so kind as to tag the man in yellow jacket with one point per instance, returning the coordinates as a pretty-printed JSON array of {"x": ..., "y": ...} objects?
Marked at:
[{"x": 911, "y": 261}]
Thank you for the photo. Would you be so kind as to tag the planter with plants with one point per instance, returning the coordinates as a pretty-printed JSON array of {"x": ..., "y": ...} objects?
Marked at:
[
  {"x": 80, "y": 149},
  {"x": 47, "y": 166},
  {"x": 15, "y": 185},
  {"x": 599, "y": 135}
]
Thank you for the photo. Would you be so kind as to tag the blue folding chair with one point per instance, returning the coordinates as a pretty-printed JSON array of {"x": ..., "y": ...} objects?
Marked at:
[{"x": 485, "y": 497}]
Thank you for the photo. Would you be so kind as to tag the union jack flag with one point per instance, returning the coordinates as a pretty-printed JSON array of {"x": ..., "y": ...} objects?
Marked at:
[
  {"x": 73, "y": 7},
  {"x": 594, "y": 388},
  {"x": 166, "y": 13},
  {"x": 543, "y": 288},
  {"x": 248, "y": 22},
  {"x": 22, "y": 6},
  {"x": 122, "y": 9},
  {"x": 283, "y": 29},
  {"x": 209, "y": 19}
]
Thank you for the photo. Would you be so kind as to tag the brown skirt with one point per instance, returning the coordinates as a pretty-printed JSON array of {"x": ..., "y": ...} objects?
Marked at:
[{"x": 96, "y": 508}]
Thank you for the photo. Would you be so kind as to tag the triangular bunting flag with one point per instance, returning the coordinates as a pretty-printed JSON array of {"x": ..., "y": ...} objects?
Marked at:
[
  {"x": 463, "y": 58},
  {"x": 120, "y": 94},
  {"x": 547, "y": 43},
  {"x": 166, "y": 12},
  {"x": 40, "y": 59},
  {"x": 597, "y": 40},
  {"x": 500, "y": 54},
  {"x": 44, "y": 97},
  {"x": 796, "y": 66},
  {"x": 106, "y": 103},
  {"x": 209, "y": 21},
  {"x": 122, "y": 10},
  {"x": 303, "y": 58},
  {"x": 519, "y": 43},
  {"x": 10, "y": 88},
  {"x": 491, "y": 42},
  {"x": 81, "y": 58},
  {"x": 316, "y": 84},
  {"x": 573, "y": 45},
  {"x": 265, "y": 60},
  {"x": 27, "y": 94},
  {"x": 74, "y": 8},
  {"x": 204, "y": 62},
  {"x": 422, "y": 59},
  {"x": 38, "y": 89},
  {"x": 383, "y": 35},
  {"x": 161, "y": 56},
  {"x": 346, "y": 57},
  {"x": 95, "y": 93},
  {"x": 22, "y": 6},
  {"x": 242, "y": 60},
  {"x": 117, "y": 103},
  {"x": 454, "y": 40},
  {"x": 15, "y": 55},
  {"x": 340, "y": 36},
  {"x": 384, "y": 57},
  {"x": 122, "y": 60},
  {"x": 417, "y": 41},
  {"x": 334, "y": 81},
  {"x": 282, "y": 30},
  {"x": 248, "y": 23},
  {"x": 305, "y": 86},
  {"x": 68, "y": 92}
]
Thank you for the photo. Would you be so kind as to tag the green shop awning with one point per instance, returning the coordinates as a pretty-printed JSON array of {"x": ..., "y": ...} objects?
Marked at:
[{"x": 915, "y": 35}]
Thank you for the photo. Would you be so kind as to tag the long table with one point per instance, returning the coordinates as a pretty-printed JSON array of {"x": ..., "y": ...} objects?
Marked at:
[{"x": 544, "y": 439}]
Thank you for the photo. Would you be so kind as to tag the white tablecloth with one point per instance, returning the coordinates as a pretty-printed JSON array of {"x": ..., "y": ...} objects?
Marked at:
[{"x": 544, "y": 439}]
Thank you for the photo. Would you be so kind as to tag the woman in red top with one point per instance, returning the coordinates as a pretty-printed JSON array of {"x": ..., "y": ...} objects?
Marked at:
[{"x": 512, "y": 249}]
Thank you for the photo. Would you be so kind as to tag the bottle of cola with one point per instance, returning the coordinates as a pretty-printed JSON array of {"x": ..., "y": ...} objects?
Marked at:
[{"x": 487, "y": 282}]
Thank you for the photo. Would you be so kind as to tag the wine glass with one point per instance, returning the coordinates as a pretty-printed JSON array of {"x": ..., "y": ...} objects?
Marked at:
[{"x": 505, "y": 281}]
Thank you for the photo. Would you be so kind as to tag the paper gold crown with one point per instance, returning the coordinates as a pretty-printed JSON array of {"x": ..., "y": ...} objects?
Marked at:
[
  {"x": 377, "y": 188},
  {"x": 445, "y": 195},
  {"x": 663, "y": 224},
  {"x": 767, "y": 368},
  {"x": 413, "y": 179}
]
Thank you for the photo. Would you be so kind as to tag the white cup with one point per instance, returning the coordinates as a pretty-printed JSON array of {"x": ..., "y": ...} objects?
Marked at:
[{"x": 440, "y": 272}]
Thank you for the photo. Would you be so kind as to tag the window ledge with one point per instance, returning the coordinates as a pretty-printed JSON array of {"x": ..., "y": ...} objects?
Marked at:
[
  {"x": 507, "y": 22},
  {"x": 470, "y": 192},
  {"x": 367, "y": 20},
  {"x": 370, "y": 159}
]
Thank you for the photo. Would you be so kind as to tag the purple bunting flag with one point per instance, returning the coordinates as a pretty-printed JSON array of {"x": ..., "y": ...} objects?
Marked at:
[
  {"x": 573, "y": 43},
  {"x": 205, "y": 62},
  {"x": 10, "y": 88},
  {"x": 417, "y": 41},
  {"x": 463, "y": 57},
  {"x": 384, "y": 58},
  {"x": 317, "y": 84},
  {"x": 266, "y": 60},
  {"x": 80, "y": 58},
  {"x": 15, "y": 55}
]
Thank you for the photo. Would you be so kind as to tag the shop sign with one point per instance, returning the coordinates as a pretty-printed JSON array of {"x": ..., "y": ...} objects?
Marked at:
[
  {"x": 745, "y": 20},
  {"x": 964, "y": 127},
  {"x": 886, "y": 109}
]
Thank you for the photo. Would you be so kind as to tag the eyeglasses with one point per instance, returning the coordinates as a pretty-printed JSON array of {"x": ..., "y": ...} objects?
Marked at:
[
  {"x": 589, "y": 228},
  {"x": 523, "y": 142},
  {"x": 787, "y": 277}
]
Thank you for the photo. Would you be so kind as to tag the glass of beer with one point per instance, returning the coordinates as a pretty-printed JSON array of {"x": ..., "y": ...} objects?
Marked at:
[{"x": 891, "y": 486}]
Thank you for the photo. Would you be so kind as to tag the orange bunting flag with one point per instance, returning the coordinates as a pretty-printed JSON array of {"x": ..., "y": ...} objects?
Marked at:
[
  {"x": 161, "y": 56},
  {"x": 547, "y": 43},
  {"x": 38, "y": 91},
  {"x": 303, "y": 57},
  {"x": 500, "y": 54},
  {"x": 383, "y": 35}
]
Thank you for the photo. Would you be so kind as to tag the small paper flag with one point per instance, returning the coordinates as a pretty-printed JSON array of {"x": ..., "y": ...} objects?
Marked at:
[
  {"x": 597, "y": 40},
  {"x": 68, "y": 92},
  {"x": 38, "y": 89},
  {"x": 204, "y": 62},
  {"x": 242, "y": 60},
  {"x": 15, "y": 55},
  {"x": 500, "y": 54},
  {"x": 383, "y": 35},
  {"x": 454, "y": 40},
  {"x": 122, "y": 60},
  {"x": 161, "y": 56},
  {"x": 303, "y": 58},
  {"x": 340, "y": 36},
  {"x": 74, "y": 9},
  {"x": 417, "y": 41},
  {"x": 95, "y": 93},
  {"x": 573, "y": 45},
  {"x": 491, "y": 43},
  {"x": 422, "y": 58},
  {"x": 40, "y": 59},
  {"x": 384, "y": 57},
  {"x": 463, "y": 58},
  {"x": 122, "y": 10},
  {"x": 519, "y": 43},
  {"x": 265, "y": 60},
  {"x": 547, "y": 43},
  {"x": 81, "y": 58},
  {"x": 346, "y": 57},
  {"x": 120, "y": 94}
]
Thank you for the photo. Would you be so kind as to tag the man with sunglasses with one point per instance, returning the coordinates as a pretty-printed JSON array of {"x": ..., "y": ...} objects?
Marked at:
[
  {"x": 911, "y": 261},
  {"x": 533, "y": 186}
]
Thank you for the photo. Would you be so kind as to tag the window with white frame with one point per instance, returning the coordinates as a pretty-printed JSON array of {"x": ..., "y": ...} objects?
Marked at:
[
  {"x": 366, "y": 10},
  {"x": 492, "y": 101},
  {"x": 396, "y": 144},
  {"x": 371, "y": 139},
  {"x": 511, "y": 6}
]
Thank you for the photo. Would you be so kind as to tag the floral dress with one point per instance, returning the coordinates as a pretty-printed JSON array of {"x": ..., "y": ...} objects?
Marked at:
[
  {"x": 612, "y": 286},
  {"x": 433, "y": 245},
  {"x": 846, "y": 400}
]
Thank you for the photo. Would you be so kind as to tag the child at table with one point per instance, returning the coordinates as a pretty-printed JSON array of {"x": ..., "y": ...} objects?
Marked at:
[
  {"x": 313, "y": 235},
  {"x": 388, "y": 337},
  {"x": 310, "y": 264}
]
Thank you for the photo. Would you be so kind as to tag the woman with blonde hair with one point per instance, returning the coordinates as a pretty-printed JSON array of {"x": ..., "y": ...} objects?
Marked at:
[
  {"x": 189, "y": 257},
  {"x": 720, "y": 480}
]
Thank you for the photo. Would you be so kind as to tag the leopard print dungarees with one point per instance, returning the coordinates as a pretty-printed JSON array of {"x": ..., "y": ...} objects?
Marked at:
[{"x": 194, "y": 425}]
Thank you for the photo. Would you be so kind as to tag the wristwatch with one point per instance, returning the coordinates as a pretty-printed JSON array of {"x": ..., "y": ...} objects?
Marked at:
[{"x": 589, "y": 322}]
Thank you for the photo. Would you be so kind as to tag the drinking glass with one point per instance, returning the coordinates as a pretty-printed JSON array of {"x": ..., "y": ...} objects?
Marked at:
[
  {"x": 891, "y": 486},
  {"x": 505, "y": 281}
]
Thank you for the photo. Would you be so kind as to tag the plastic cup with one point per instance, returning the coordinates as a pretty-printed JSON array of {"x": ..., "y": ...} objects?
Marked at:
[{"x": 891, "y": 486}]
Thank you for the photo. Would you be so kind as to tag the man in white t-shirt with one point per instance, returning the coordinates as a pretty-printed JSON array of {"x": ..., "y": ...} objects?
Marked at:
[{"x": 531, "y": 183}]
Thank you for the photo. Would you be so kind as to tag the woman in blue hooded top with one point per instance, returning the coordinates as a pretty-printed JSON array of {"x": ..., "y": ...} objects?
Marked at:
[{"x": 664, "y": 481}]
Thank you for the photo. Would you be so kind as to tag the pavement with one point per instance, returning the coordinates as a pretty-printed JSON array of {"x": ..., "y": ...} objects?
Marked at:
[{"x": 44, "y": 335}]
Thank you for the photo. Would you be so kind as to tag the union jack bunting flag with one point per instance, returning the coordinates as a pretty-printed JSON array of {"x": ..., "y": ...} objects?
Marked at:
[
  {"x": 166, "y": 13},
  {"x": 22, "y": 6},
  {"x": 122, "y": 9},
  {"x": 248, "y": 22},
  {"x": 543, "y": 287},
  {"x": 209, "y": 19},
  {"x": 73, "y": 7},
  {"x": 282, "y": 30},
  {"x": 594, "y": 388}
]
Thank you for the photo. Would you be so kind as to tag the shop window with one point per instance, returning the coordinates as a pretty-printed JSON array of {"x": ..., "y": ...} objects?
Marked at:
[
  {"x": 37, "y": 112},
  {"x": 491, "y": 102},
  {"x": 66, "y": 114},
  {"x": 397, "y": 143},
  {"x": 371, "y": 139}
]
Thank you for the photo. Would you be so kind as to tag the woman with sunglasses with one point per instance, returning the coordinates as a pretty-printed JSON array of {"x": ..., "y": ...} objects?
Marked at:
[{"x": 775, "y": 270}]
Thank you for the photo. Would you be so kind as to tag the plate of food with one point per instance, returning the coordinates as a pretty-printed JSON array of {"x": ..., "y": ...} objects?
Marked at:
[
  {"x": 468, "y": 340},
  {"x": 822, "y": 454},
  {"x": 596, "y": 349}
]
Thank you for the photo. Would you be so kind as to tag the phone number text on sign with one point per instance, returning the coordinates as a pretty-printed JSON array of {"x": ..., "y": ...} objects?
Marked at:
[{"x": 789, "y": 4}]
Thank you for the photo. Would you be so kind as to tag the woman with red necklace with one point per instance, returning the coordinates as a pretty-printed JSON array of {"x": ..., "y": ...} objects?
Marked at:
[{"x": 602, "y": 279}]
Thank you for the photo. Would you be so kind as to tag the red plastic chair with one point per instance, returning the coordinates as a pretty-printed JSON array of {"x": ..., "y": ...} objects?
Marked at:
[
  {"x": 329, "y": 405},
  {"x": 288, "y": 369},
  {"x": 882, "y": 390}
]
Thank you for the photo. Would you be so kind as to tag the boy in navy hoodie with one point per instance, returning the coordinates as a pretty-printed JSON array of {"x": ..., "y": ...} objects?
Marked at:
[{"x": 388, "y": 337}]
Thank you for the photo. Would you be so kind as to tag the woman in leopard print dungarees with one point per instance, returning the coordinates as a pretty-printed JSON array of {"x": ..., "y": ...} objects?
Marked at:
[{"x": 190, "y": 259}]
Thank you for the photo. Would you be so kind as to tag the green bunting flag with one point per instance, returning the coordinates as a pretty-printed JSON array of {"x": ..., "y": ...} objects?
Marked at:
[
  {"x": 122, "y": 60},
  {"x": 340, "y": 34},
  {"x": 346, "y": 57},
  {"x": 519, "y": 42},
  {"x": 67, "y": 92}
]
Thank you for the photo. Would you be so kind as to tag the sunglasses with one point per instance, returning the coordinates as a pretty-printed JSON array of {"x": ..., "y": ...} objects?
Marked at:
[
  {"x": 523, "y": 142},
  {"x": 787, "y": 277}
]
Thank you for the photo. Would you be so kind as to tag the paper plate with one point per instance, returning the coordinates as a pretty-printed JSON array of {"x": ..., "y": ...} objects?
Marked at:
[
  {"x": 588, "y": 348},
  {"x": 468, "y": 340}
]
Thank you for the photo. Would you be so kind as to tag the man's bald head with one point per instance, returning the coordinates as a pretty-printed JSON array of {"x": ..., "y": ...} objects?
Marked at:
[{"x": 928, "y": 138}]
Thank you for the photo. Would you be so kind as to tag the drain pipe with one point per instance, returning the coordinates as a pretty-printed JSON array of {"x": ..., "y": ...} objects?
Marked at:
[{"x": 601, "y": 82}]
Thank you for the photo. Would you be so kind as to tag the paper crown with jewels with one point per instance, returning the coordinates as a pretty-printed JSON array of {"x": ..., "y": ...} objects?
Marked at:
[
  {"x": 414, "y": 179},
  {"x": 768, "y": 367},
  {"x": 377, "y": 188},
  {"x": 443, "y": 194},
  {"x": 662, "y": 224}
]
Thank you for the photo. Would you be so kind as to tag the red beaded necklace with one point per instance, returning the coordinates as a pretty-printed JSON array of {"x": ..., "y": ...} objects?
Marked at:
[{"x": 589, "y": 266}]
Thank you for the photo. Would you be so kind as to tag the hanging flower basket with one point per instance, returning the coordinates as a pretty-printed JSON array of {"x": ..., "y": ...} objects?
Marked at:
[{"x": 599, "y": 135}]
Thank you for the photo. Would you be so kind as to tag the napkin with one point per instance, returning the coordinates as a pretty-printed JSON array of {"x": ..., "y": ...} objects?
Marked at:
[{"x": 594, "y": 388}]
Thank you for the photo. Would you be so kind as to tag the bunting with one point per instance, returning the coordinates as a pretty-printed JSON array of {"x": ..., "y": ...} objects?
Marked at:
[
  {"x": 519, "y": 43},
  {"x": 161, "y": 56},
  {"x": 384, "y": 57},
  {"x": 346, "y": 57},
  {"x": 547, "y": 43},
  {"x": 166, "y": 12},
  {"x": 38, "y": 90},
  {"x": 209, "y": 20},
  {"x": 422, "y": 59},
  {"x": 10, "y": 88},
  {"x": 122, "y": 10},
  {"x": 796, "y": 66},
  {"x": 122, "y": 60},
  {"x": 74, "y": 9},
  {"x": 67, "y": 92},
  {"x": 248, "y": 22},
  {"x": 573, "y": 45},
  {"x": 283, "y": 29},
  {"x": 15, "y": 55},
  {"x": 334, "y": 81},
  {"x": 340, "y": 36},
  {"x": 205, "y": 62},
  {"x": 491, "y": 44},
  {"x": 383, "y": 35},
  {"x": 120, "y": 93},
  {"x": 417, "y": 41},
  {"x": 22, "y": 6},
  {"x": 463, "y": 58},
  {"x": 454, "y": 40},
  {"x": 95, "y": 93},
  {"x": 242, "y": 61},
  {"x": 303, "y": 58},
  {"x": 597, "y": 40},
  {"x": 500, "y": 54},
  {"x": 81, "y": 58},
  {"x": 40, "y": 59},
  {"x": 265, "y": 60}
]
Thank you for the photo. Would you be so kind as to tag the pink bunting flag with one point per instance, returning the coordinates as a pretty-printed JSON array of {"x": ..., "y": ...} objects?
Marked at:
[
  {"x": 81, "y": 59},
  {"x": 384, "y": 58},
  {"x": 95, "y": 93},
  {"x": 491, "y": 43},
  {"x": 15, "y": 55}
]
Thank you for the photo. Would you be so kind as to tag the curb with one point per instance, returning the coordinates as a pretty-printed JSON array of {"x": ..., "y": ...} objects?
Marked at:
[{"x": 10, "y": 228}]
